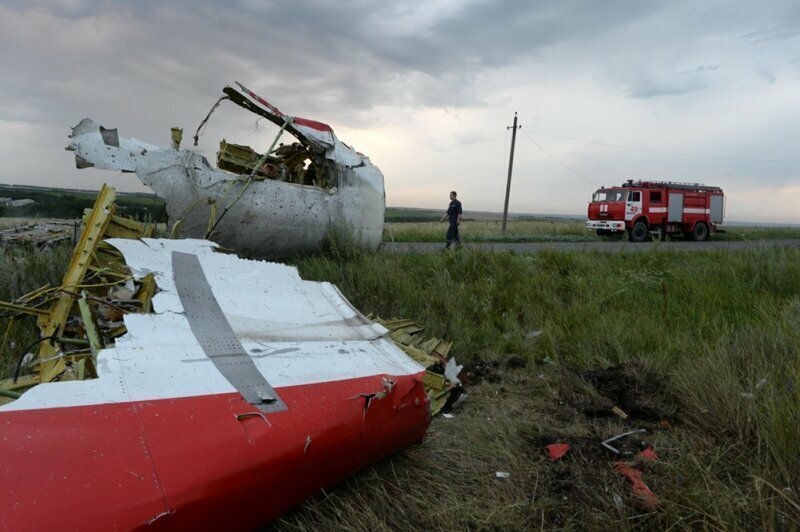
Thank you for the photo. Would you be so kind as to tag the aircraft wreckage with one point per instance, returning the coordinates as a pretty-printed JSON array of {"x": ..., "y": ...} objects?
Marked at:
[
  {"x": 178, "y": 387},
  {"x": 273, "y": 205}
]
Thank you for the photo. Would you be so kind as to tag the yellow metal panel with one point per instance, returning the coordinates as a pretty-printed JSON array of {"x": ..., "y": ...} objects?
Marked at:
[{"x": 51, "y": 324}]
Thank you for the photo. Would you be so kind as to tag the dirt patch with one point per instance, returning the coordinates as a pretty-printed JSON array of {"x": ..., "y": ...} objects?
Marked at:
[
  {"x": 492, "y": 371},
  {"x": 480, "y": 371},
  {"x": 637, "y": 390},
  {"x": 577, "y": 408}
]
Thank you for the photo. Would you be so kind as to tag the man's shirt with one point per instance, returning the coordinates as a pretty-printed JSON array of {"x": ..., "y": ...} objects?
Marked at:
[{"x": 453, "y": 211}]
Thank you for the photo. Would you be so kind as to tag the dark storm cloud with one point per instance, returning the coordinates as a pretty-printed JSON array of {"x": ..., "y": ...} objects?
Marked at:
[
  {"x": 349, "y": 56},
  {"x": 353, "y": 55}
]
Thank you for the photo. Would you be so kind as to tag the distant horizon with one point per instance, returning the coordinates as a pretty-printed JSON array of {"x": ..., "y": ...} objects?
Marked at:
[{"x": 493, "y": 213}]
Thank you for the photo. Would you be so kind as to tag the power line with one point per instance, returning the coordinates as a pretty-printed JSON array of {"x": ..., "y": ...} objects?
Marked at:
[
  {"x": 559, "y": 161},
  {"x": 665, "y": 152}
]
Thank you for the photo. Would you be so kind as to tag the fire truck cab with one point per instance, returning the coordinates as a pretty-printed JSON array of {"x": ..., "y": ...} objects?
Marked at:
[{"x": 662, "y": 208}]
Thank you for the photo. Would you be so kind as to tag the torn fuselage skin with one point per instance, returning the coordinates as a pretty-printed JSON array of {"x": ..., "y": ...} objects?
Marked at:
[{"x": 282, "y": 207}]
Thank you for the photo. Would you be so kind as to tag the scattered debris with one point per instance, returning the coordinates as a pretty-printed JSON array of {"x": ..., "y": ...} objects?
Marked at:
[
  {"x": 648, "y": 453},
  {"x": 617, "y": 411},
  {"x": 646, "y": 498},
  {"x": 577, "y": 407},
  {"x": 618, "y": 501},
  {"x": 607, "y": 443},
  {"x": 83, "y": 314},
  {"x": 533, "y": 334},
  {"x": 451, "y": 371},
  {"x": 634, "y": 388},
  {"x": 502, "y": 474},
  {"x": 42, "y": 234},
  {"x": 442, "y": 376},
  {"x": 460, "y": 396},
  {"x": 556, "y": 451}
]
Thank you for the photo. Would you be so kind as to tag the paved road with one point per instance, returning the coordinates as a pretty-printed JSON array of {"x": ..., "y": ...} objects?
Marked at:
[{"x": 532, "y": 247}]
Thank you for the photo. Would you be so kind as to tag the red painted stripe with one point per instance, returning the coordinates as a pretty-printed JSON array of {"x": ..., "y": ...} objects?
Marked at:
[
  {"x": 204, "y": 462},
  {"x": 306, "y": 122},
  {"x": 262, "y": 101},
  {"x": 313, "y": 124}
]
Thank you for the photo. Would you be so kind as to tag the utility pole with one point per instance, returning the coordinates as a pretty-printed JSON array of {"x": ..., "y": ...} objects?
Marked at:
[{"x": 513, "y": 129}]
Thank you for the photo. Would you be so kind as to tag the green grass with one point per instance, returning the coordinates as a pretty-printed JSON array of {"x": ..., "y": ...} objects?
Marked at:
[
  {"x": 757, "y": 233},
  {"x": 708, "y": 341},
  {"x": 545, "y": 230},
  {"x": 61, "y": 203},
  {"x": 491, "y": 231},
  {"x": 711, "y": 339},
  {"x": 22, "y": 270}
]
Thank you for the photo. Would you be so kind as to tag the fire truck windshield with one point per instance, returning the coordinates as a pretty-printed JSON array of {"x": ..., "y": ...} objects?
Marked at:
[{"x": 610, "y": 195}]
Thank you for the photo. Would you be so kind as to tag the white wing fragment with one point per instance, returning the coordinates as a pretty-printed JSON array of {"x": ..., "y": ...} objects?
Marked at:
[{"x": 297, "y": 332}]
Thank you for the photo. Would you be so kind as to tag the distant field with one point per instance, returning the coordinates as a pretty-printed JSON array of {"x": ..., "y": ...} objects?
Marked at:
[
  {"x": 9, "y": 223},
  {"x": 402, "y": 224},
  {"x": 70, "y": 204},
  {"x": 410, "y": 214},
  {"x": 491, "y": 231},
  {"x": 546, "y": 230}
]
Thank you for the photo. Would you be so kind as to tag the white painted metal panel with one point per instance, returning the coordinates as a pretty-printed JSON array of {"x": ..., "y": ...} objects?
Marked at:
[
  {"x": 717, "y": 209},
  {"x": 296, "y": 332},
  {"x": 675, "y": 209}
]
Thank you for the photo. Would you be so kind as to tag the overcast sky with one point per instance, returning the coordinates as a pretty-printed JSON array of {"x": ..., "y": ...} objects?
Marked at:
[{"x": 701, "y": 91}]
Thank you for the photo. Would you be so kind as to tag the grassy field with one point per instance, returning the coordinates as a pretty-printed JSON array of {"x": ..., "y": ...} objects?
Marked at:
[
  {"x": 700, "y": 349},
  {"x": 22, "y": 270},
  {"x": 66, "y": 203},
  {"x": 491, "y": 231},
  {"x": 10, "y": 223},
  {"x": 546, "y": 230}
]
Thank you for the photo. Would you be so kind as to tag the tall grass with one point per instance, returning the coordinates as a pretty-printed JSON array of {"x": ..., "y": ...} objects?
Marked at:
[
  {"x": 592, "y": 307},
  {"x": 22, "y": 270},
  {"x": 548, "y": 231},
  {"x": 720, "y": 330},
  {"x": 491, "y": 231}
]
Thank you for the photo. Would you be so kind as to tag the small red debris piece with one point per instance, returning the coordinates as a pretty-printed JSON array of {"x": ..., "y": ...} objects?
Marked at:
[
  {"x": 665, "y": 424},
  {"x": 649, "y": 454},
  {"x": 647, "y": 499},
  {"x": 557, "y": 450}
]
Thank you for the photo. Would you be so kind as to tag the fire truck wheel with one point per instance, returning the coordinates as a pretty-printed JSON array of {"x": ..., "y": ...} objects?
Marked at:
[
  {"x": 638, "y": 232},
  {"x": 700, "y": 232}
]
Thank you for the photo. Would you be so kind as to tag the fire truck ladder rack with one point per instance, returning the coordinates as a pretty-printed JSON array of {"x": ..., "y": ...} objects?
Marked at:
[{"x": 671, "y": 184}]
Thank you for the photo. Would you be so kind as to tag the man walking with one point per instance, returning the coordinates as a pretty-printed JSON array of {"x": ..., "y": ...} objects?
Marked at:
[{"x": 454, "y": 215}]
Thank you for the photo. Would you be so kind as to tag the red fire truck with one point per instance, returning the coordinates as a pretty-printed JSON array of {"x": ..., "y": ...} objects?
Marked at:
[{"x": 658, "y": 207}]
